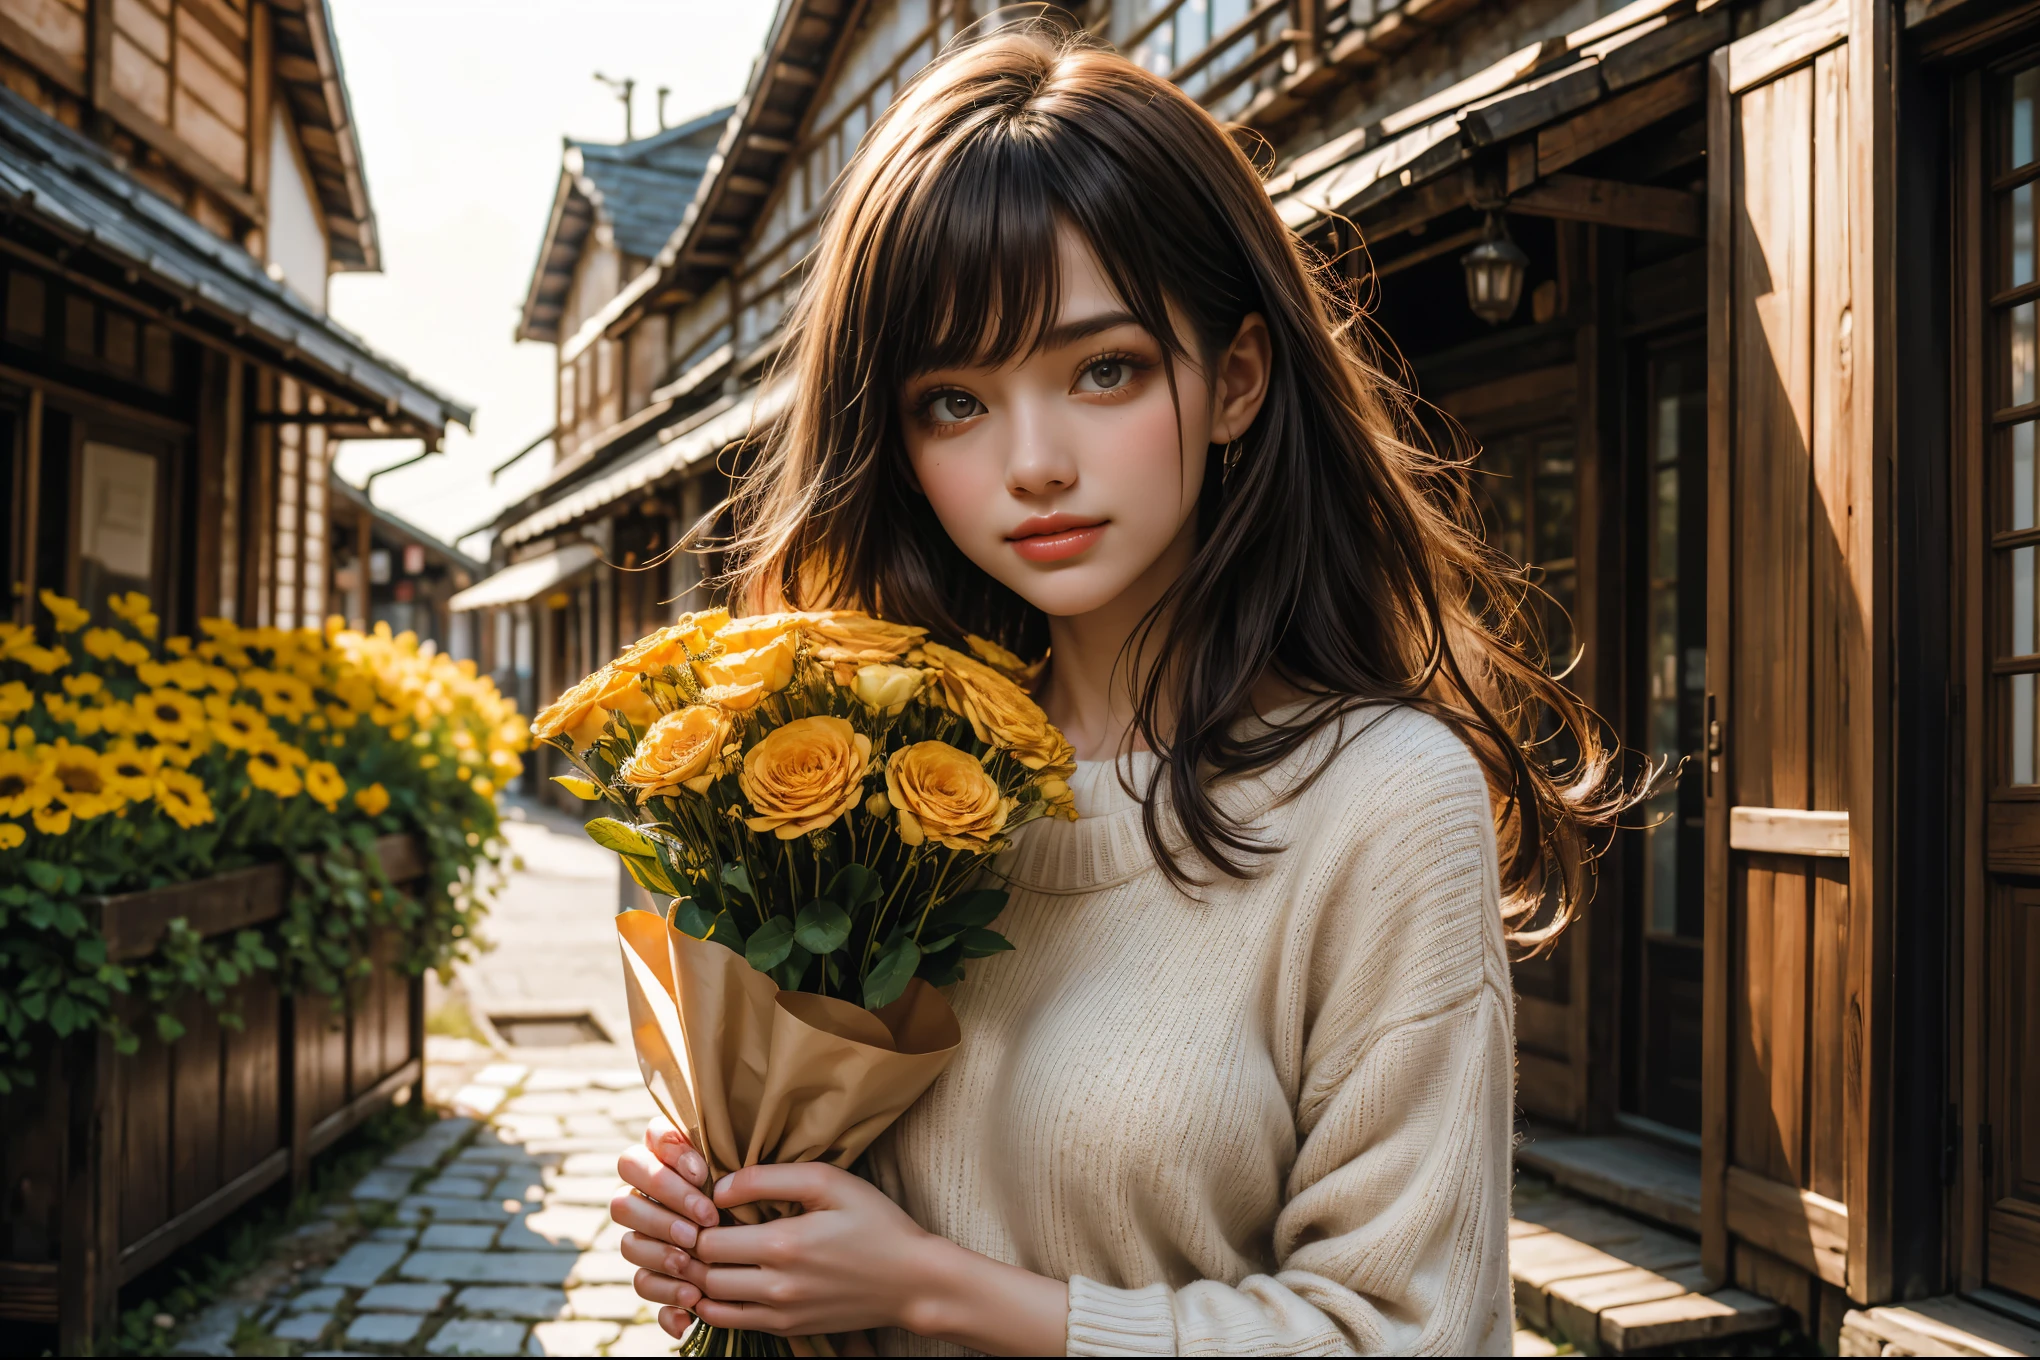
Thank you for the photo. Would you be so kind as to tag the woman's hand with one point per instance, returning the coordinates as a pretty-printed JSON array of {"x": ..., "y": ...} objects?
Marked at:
[
  {"x": 667, "y": 1174},
  {"x": 852, "y": 1259}
]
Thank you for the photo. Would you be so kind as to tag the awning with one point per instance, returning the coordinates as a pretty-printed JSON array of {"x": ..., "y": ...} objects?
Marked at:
[
  {"x": 64, "y": 194},
  {"x": 521, "y": 581},
  {"x": 673, "y": 450}
]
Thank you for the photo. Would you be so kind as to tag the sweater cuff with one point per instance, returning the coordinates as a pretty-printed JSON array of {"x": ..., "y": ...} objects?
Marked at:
[{"x": 1108, "y": 1321}]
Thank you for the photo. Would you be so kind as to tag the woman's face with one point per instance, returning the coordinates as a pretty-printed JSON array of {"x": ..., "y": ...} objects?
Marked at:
[{"x": 1071, "y": 474}]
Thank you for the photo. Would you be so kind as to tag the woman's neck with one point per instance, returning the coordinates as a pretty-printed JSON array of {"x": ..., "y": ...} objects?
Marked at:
[{"x": 1093, "y": 676}]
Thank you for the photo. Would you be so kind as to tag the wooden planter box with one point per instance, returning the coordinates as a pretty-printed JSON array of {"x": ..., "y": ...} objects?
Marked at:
[{"x": 109, "y": 1164}]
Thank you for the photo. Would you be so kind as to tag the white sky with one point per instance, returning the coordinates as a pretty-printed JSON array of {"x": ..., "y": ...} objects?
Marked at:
[{"x": 460, "y": 106}]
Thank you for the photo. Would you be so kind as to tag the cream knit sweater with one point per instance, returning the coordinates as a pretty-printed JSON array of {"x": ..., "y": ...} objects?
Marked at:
[{"x": 1273, "y": 1121}]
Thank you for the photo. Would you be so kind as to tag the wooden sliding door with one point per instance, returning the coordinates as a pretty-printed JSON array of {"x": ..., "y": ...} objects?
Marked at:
[{"x": 1797, "y": 676}]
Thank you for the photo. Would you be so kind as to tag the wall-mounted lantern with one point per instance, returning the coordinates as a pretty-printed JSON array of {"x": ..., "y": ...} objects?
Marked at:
[{"x": 1494, "y": 273}]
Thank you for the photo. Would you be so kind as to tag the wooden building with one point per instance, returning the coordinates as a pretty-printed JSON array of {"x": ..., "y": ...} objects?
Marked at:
[
  {"x": 179, "y": 178},
  {"x": 1754, "y": 402}
]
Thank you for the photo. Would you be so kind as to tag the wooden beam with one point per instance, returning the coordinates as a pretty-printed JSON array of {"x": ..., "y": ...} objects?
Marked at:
[
  {"x": 766, "y": 144},
  {"x": 749, "y": 185},
  {"x": 794, "y": 75},
  {"x": 1639, "y": 207},
  {"x": 1611, "y": 120}
]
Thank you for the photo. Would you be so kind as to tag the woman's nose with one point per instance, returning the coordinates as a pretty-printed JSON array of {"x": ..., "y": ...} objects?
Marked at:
[{"x": 1040, "y": 461}]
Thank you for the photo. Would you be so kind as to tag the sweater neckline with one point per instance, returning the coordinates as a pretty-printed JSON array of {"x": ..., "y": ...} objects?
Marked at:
[{"x": 1107, "y": 844}]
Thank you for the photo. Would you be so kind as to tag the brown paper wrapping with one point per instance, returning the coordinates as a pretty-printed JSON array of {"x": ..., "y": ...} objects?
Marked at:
[{"x": 754, "y": 1074}]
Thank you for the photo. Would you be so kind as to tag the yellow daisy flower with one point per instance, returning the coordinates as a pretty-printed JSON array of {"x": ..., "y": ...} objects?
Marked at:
[
  {"x": 325, "y": 784},
  {"x": 65, "y": 611},
  {"x": 102, "y": 643},
  {"x": 170, "y": 715},
  {"x": 82, "y": 781},
  {"x": 269, "y": 769},
  {"x": 11, "y": 836},
  {"x": 130, "y": 770},
  {"x": 240, "y": 727},
  {"x": 15, "y": 700},
  {"x": 182, "y": 798},
  {"x": 25, "y": 782},
  {"x": 82, "y": 686},
  {"x": 53, "y": 819},
  {"x": 134, "y": 607},
  {"x": 372, "y": 800}
]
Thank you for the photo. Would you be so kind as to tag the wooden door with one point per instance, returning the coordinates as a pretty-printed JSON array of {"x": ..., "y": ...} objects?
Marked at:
[
  {"x": 1999, "y": 287},
  {"x": 1794, "y": 1070}
]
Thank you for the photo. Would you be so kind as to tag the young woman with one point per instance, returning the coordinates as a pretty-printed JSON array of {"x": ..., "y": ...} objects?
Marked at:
[{"x": 1064, "y": 380}]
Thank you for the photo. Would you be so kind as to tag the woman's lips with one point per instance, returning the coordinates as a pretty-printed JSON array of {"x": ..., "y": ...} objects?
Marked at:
[{"x": 1054, "y": 542}]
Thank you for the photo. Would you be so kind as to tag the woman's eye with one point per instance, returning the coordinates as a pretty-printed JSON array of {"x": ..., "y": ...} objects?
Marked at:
[
  {"x": 947, "y": 408},
  {"x": 1106, "y": 375}
]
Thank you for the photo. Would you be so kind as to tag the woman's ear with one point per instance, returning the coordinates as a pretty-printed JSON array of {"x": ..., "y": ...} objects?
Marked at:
[{"x": 1240, "y": 380}]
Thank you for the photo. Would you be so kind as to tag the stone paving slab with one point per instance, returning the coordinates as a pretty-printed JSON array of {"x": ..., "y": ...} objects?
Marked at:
[
  {"x": 363, "y": 1264},
  {"x": 517, "y": 1301},
  {"x": 646, "y": 1338},
  {"x": 469, "y": 1336},
  {"x": 556, "y": 1226},
  {"x": 383, "y": 1329},
  {"x": 570, "y": 1338},
  {"x": 490, "y": 1267},
  {"x": 302, "y": 1327},
  {"x": 602, "y": 1267},
  {"x": 384, "y": 1183},
  {"x": 447, "y": 1209},
  {"x": 317, "y": 1300},
  {"x": 460, "y": 1236},
  {"x": 616, "y": 1302},
  {"x": 404, "y": 1298}
]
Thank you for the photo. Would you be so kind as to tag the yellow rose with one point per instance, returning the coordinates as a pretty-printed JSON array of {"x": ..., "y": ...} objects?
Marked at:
[
  {"x": 735, "y": 698},
  {"x": 1022, "y": 673},
  {"x": 998, "y": 709},
  {"x": 635, "y": 702},
  {"x": 944, "y": 795},
  {"x": 846, "y": 639},
  {"x": 579, "y": 713},
  {"x": 770, "y": 666},
  {"x": 683, "y": 749},
  {"x": 758, "y": 630},
  {"x": 805, "y": 775},
  {"x": 669, "y": 646},
  {"x": 1057, "y": 798},
  {"x": 887, "y": 688}
]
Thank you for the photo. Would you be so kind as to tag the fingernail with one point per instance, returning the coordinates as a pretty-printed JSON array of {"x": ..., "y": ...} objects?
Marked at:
[
  {"x": 724, "y": 1183},
  {"x": 692, "y": 1166}
]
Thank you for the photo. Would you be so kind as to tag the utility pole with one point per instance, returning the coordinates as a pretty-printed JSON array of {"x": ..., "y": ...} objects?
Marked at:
[
  {"x": 623, "y": 89},
  {"x": 664, "y": 90}
]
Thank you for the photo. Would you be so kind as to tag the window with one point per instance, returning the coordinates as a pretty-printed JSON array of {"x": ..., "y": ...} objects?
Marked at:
[{"x": 2014, "y": 397}]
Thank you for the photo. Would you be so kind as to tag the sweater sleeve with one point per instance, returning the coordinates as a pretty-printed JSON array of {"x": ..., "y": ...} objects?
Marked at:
[{"x": 1393, "y": 1235}]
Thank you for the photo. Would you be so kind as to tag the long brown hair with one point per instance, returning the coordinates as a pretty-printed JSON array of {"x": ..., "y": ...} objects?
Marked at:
[{"x": 1339, "y": 556}]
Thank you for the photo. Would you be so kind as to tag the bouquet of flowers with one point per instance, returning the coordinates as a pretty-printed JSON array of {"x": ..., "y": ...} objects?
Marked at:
[{"x": 814, "y": 794}]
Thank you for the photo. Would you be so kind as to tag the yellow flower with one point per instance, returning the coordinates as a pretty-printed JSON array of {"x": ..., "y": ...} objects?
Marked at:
[
  {"x": 634, "y": 701},
  {"x": 769, "y": 665},
  {"x": 998, "y": 709},
  {"x": 42, "y": 660},
  {"x": 887, "y": 688},
  {"x": 183, "y": 798},
  {"x": 170, "y": 715},
  {"x": 846, "y": 639},
  {"x": 483, "y": 787},
  {"x": 103, "y": 642},
  {"x": 735, "y": 698},
  {"x": 283, "y": 696},
  {"x": 82, "y": 686},
  {"x": 372, "y": 800},
  {"x": 801, "y": 777},
  {"x": 15, "y": 700},
  {"x": 130, "y": 771},
  {"x": 11, "y": 836},
  {"x": 578, "y": 713},
  {"x": 132, "y": 652},
  {"x": 943, "y": 794},
  {"x": 1022, "y": 673},
  {"x": 759, "y": 630},
  {"x": 134, "y": 607},
  {"x": 1058, "y": 799},
  {"x": 82, "y": 783},
  {"x": 53, "y": 819},
  {"x": 669, "y": 646},
  {"x": 682, "y": 749},
  {"x": 239, "y": 727},
  {"x": 270, "y": 769},
  {"x": 69, "y": 617},
  {"x": 325, "y": 784},
  {"x": 25, "y": 782}
]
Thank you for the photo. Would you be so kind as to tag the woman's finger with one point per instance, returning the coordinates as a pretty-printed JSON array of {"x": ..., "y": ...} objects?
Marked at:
[
  {"x": 670, "y": 1146},
  {"x": 675, "y": 1322},
  {"x": 653, "y": 1287},
  {"x": 748, "y": 1317},
  {"x": 653, "y": 1254},
  {"x": 642, "y": 1171},
  {"x": 811, "y": 1184},
  {"x": 641, "y": 1215},
  {"x": 762, "y": 1244},
  {"x": 734, "y": 1284}
]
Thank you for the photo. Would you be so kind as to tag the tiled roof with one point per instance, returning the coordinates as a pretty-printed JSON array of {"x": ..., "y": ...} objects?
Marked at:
[
  {"x": 639, "y": 190},
  {"x": 54, "y": 182}
]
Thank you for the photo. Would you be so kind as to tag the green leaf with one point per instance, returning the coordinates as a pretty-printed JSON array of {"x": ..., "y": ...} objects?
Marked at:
[
  {"x": 738, "y": 877},
  {"x": 887, "y": 981},
  {"x": 855, "y": 887},
  {"x": 583, "y": 789},
  {"x": 727, "y": 931},
  {"x": 978, "y": 944},
  {"x": 967, "y": 911},
  {"x": 167, "y": 1028},
  {"x": 621, "y": 837},
  {"x": 770, "y": 944},
  {"x": 822, "y": 926},
  {"x": 44, "y": 875},
  {"x": 691, "y": 918},
  {"x": 789, "y": 974}
]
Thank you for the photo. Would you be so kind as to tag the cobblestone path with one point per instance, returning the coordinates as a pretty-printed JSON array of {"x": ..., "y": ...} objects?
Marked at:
[{"x": 487, "y": 1235}]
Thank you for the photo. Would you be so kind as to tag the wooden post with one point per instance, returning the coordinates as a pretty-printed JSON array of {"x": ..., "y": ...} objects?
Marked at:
[
  {"x": 89, "y": 1279},
  {"x": 31, "y": 504}
]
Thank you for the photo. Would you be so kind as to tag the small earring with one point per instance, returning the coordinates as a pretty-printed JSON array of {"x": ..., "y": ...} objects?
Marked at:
[{"x": 1231, "y": 460}]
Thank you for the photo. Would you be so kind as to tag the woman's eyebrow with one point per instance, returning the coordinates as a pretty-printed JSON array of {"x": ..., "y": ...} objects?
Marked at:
[{"x": 1069, "y": 332}]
